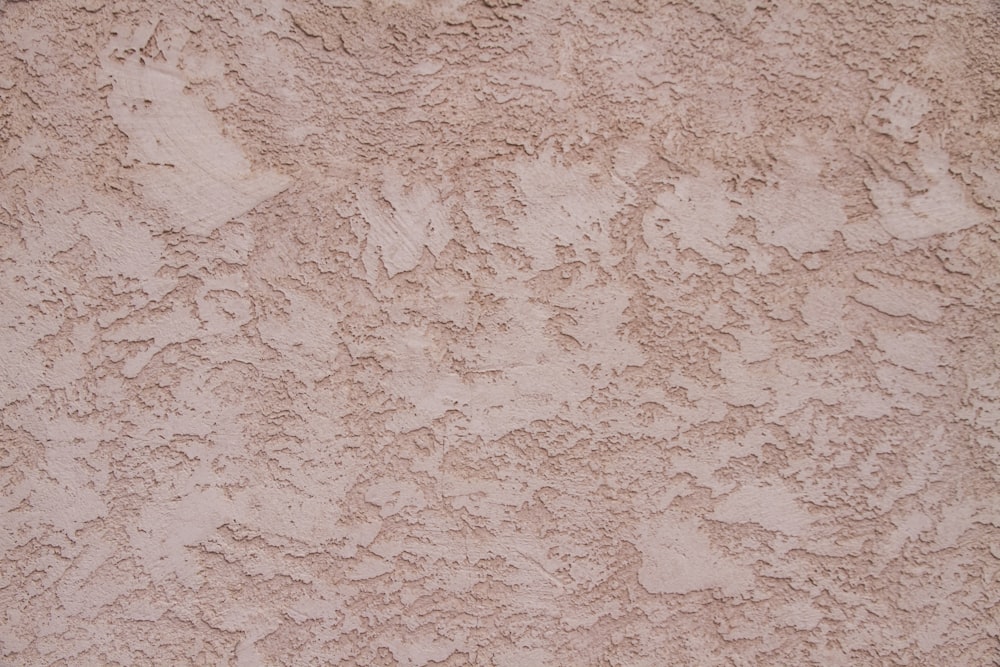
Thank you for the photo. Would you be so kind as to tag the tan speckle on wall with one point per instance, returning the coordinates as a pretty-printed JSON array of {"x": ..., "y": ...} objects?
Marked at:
[{"x": 499, "y": 333}]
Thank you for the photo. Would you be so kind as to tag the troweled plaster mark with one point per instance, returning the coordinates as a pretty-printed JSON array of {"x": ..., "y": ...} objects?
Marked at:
[
  {"x": 533, "y": 366},
  {"x": 403, "y": 216},
  {"x": 564, "y": 207},
  {"x": 899, "y": 113},
  {"x": 943, "y": 206},
  {"x": 678, "y": 557},
  {"x": 795, "y": 211},
  {"x": 900, "y": 298},
  {"x": 178, "y": 153},
  {"x": 698, "y": 212},
  {"x": 772, "y": 507}
]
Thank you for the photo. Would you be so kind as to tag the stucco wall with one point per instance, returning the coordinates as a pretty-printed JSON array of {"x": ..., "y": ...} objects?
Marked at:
[{"x": 499, "y": 333}]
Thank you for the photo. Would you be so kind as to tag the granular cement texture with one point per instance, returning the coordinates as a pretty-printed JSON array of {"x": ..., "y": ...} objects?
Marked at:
[{"x": 516, "y": 334}]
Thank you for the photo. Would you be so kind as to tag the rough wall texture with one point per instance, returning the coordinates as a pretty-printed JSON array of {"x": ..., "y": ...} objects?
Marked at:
[{"x": 500, "y": 333}]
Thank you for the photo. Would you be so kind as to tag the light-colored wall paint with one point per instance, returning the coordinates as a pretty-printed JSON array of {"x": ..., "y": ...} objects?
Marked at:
[{"x": 502, "y": 333}]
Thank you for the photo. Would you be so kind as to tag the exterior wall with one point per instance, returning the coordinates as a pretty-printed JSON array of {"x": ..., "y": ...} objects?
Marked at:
[{"x": 512, "y": 334}]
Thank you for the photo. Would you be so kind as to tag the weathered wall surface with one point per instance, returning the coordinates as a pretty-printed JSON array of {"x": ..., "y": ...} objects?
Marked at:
[{"x": 513, "y": 334}]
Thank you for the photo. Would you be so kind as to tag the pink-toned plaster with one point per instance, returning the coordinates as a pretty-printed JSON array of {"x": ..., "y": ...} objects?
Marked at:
[{"x": 499, "y": 333}]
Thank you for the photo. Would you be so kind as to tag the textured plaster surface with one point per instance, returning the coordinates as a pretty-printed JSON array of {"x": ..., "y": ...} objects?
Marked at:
[{"x": 501, "y": 333}]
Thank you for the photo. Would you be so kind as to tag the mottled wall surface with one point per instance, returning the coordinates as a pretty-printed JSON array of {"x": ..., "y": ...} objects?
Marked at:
[{"x": 499, "y": 333}]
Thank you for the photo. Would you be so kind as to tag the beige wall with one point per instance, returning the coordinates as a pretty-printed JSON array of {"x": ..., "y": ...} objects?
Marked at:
[{"x": 513, "y": 334}]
